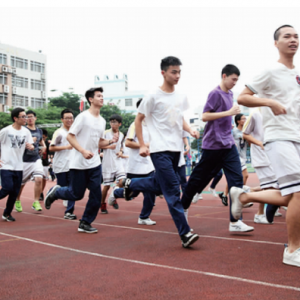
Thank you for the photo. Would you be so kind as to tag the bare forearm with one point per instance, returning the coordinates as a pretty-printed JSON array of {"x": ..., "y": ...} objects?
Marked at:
[
  {"x": 131, "y": 144},
  {"x": 106, "y": 144},
  {"x": 252, "y": 101},
  {"x": 58, "y": 148},
  {"x": 73, "y": 141},
  {"x": 249, "y": 138},
  {"x": 211, "y": 116},
  {"x": 186, "y": 126}
]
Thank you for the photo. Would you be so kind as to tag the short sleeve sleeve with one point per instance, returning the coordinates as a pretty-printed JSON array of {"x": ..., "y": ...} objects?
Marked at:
[
  {"x": 185, "y": 134},
  {"x": 3, "y": 136},
  {"x": 211, "y": 102},
  {"x": 260, "y": 83},
  {"x": 57, "y": 138},
  {"x": 131, "y": 132},
  {"x": 249, "y": 125},
  {"x": 147, "y": 105},
  {"x": 77, "y": 125}
]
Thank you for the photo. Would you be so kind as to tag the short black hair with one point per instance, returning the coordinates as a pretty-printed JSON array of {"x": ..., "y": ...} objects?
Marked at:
[
  {"x": 116, "y": 117},
  {"x": 65, "y": 111},
  {"x": 15, "y": 113},
  {"x": 91, "y": 92},
  {"x": 230, "y": 69},
  {"x": 277, "y": 31},
  {"x": 45, "y": 132},
  {"x": 30, "y": 112},
  {"x": 169, "y": 61},
  {"x": 237, "y": 118},
  {"x": 139, "y": 102}
]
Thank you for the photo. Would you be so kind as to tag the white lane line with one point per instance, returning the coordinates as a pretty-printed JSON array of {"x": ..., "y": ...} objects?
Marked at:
[
  {"x": 158, "y": 265},
  {"x": 157, "y": 231}
]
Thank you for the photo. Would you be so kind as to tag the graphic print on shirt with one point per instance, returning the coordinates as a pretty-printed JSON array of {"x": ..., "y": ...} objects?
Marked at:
[
  {"x": 16, "y": 140},
  {"x": 298, "y": 79}
]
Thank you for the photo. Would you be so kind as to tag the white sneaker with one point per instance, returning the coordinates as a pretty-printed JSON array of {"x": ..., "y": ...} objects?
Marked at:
[
  {"x": 111, "y": 198},
  {"x": 278, "y": 214},
  {"x": 248, "y": 205},
  {"x": 292, "y": 259},
  {"x": 196, "y": 198},
  {"x": 261, "y": 219},
  {"x": 213, "y": 191},
  {"x": 240, "y": 226},
  {"x": 146, "y": 222},
  {"x": 284, "y": 207},
  {"x": 246, "y": 188},
  {"x": 236, "y": 204},
  {"x": 65, "y": 203}
]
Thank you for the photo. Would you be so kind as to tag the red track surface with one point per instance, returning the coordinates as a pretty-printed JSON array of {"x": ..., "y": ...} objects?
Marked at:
[{"x": 44, "y": 257}]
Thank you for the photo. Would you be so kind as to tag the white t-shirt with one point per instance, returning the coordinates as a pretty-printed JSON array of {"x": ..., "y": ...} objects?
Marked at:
[
  {"x": 254, "y": 126},
  {"x": 61, "y": 159},
  {"x": 182, "y": 160},
  {"x": 88, "y": 130},
  {"x": 164, "y": 117},
  {"x": 111, "y": 163},
  {"x": 282, "y": 84},
  {"x": 13, "y": 144},
  {"x": 240, "y": 143},
  {"x": 125, "y": 160},
  {"x": 136, "y": 163}
]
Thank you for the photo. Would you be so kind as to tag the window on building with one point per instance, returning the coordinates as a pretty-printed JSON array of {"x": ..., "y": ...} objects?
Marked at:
[
  {"x": 3, "y": 78},
  {"x": 37, "y": 85},
  {"x": 37, "y": 67},
  {"x": 18, "y": 62},
  {"x": 3, "y": 99},
  {"x": 37, "y": 103},
  {"x": 192, "y": 121},
  {"x": 3, "y": 59},
  {"x": 20, "y": 82},
  {"x": 18, "y": 100},
  {"x": 128, "y": 102}
]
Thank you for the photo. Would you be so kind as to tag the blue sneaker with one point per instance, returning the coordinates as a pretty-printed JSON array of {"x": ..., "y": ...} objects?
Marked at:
[{"x": 270, "y": 212}]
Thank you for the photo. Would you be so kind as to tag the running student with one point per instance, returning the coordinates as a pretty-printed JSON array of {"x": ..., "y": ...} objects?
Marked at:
[
  {"x": 62, "y": 157},
  {"x": 112, "y": 164},
  {"x": 86, "y": 136},
  {"x": 278, "y": 90},
  {"x": 33, "y": 167},
  {"x": 14, "y": 139},
  {"x": 45, "y": 163},
  {"x": 138, "y": 167},
  {"x": 253, "y": 132},
  {"x": 218, "y": 147},
  {"x": 163, "y": 111}
]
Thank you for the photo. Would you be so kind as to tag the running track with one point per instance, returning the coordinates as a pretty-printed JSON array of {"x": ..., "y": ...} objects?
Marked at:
[{"x": 44, "y": 257}]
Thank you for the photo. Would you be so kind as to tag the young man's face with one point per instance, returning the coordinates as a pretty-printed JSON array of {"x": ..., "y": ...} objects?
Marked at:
[
  {"x": 242, "y": 120},
  {"x": 31, "y": 119},
  {"x": 97, "y": 100},
  {"x": 67, "y": 120},
  {"x": 44, "y": 137},
  {"x": 21, "y": 119},
  {"x": 288, "y": 41},
  {"x": 230, "y": 81},
  {"x": 115, "y": 125},
  {"x": 172, "y": 75}
]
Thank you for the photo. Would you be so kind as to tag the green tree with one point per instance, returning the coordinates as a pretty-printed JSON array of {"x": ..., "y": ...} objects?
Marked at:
[
  {"x": 5, "y": 120},
  {"x": 67, "y": 100}
]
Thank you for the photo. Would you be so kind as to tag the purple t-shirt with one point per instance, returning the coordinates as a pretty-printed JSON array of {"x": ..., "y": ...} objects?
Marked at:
[{"x": 217, "y": 133}]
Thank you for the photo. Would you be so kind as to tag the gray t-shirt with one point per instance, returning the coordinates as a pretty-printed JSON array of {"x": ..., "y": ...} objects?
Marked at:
[{"x": 240, "y": 143}]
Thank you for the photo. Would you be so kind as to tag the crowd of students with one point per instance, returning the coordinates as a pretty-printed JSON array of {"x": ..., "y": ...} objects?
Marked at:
[{"x": 157, "y": 142}]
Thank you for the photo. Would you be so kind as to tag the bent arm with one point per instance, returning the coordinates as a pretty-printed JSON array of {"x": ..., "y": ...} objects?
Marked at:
[
  {"x": 248, "y": 99},
  {"x": 139, "y": 128},
  {"x": 73, "y": 141}
]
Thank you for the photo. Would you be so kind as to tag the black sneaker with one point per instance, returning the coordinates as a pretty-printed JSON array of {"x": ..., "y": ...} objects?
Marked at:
[
  {"x": 70, "y": 216},
  {"x": 8, "y": 218},
  {"x": 188, "y": 240},
  {"x": 50, "y": 197},
  {"x": 86, "y": 227},
  {"x": 116, "y": 205},
  {"x": 41, "y": 197},
  {"x": 224, "y": 199},
  {"x": 125, "y": 182}
]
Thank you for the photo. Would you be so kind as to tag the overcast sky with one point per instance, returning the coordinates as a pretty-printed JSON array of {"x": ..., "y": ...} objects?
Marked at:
[{"x": 86, "y": 38}]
